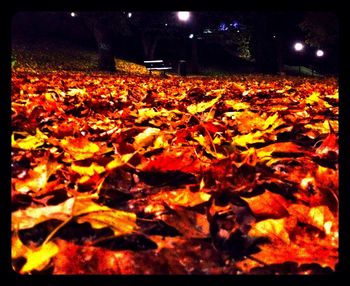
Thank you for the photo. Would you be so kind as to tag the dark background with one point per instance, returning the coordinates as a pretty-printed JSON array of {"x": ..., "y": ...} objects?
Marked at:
[{"x": 272, "y": 36}]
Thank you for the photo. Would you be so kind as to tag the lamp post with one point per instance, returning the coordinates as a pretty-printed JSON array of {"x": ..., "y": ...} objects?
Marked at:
[
  {"x": 183, "y": 16},
  {"x": 299, "y": 47},
  {"x": 319, "y": 54}
]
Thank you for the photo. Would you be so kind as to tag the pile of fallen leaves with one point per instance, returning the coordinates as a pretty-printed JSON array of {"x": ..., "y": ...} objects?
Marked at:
[{"x": 126, "y": 174}]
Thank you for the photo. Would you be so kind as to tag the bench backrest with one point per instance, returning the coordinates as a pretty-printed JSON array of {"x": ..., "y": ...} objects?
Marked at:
[{"x": 156, "y": 64}]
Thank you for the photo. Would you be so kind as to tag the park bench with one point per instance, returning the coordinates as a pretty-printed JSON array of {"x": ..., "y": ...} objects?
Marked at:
[{"x": 158, "y": 65}]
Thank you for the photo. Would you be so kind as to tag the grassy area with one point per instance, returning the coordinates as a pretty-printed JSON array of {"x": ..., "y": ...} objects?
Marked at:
[
  {"x": 53, "y": 55},
  {"x": 302, "y": 70}
]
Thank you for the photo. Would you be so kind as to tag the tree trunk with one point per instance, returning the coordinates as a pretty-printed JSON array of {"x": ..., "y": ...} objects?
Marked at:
[
  {"x": 194, "y": 56},
  {"x": 279, "y": 52},
  {"x": 102, "y": 35},
  {"x": 259, "y": 42},
  {"x": 149, "y": 43}
]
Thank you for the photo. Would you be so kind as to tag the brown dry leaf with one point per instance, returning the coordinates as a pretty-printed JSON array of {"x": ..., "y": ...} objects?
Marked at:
[
  {"x": 330, "y": 144},
  {"x": 188, "y": 133},
  {"x": 281, "y": 147},
  {"x": 87, "y": 260},
  {"x": 320, "y": 216},
  {"x": 326, "y": 178},
  {"x": 268, "y": 205},
  {"x": 37, "y": 177},
  {"x": 100, "y": 216},
  {"x": 187, "y": 222},
  {"x": 281, "y": 253},
  {"x": 81, "y": 148},
  {"x": 184, "y": 197},
  {"x": 184, "y": 161}
]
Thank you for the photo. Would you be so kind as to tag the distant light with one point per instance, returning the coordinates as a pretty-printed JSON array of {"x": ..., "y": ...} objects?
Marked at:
[
  {"x": 183, "y": 15},
  {"x": 166, "y": 24},
  {"x": 235, "y": 24},
  {"x": 129, "y": 15},
  {"x": 298, "y": 47},
  {"x": 191, "y": 36},
  {"x": 223, "y": 27},
  {"x": 319, "y": 53},
  {"x": 274, "y": 36},
  {"x": 237, "y": 31},
  {"x": 72, "y": 14}
]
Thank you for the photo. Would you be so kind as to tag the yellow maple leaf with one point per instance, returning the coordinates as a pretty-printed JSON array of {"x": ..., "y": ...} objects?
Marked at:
[
  {"x": 30, "y": 142},
  {"x": 202, "y": 106},
  {"x": 88, "y": 170},
  {"x": 36, "y": 258},
  {"x": 237, "y": 105},
  {"x": 272, "y": 228},
  {"x": 315, "y": 98},
  {"x": 183, "y": 197},
  {"x": 38, "y": 177},
  {"x": 250, "y": 138},
  {"x": 119, "y": 161},
  {"x": 79, "y": 148},
  {"x": 271, "y": 120},
  {"x": 102, "y": 216}
]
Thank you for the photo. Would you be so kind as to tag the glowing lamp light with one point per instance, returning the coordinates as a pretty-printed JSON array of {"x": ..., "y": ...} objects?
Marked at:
[
  {"x": 319, "y": 53},
  {"x": 129, "y": 15},
  {"x": 183, "y": 15},
  {"x": 73, "y": 14},
  {"x": 191, "y": 36},
  {"x": 298, "y": 47}
]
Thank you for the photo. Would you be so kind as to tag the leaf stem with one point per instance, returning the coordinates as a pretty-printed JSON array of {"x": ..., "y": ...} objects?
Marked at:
[{"x": 51, "y": 235}]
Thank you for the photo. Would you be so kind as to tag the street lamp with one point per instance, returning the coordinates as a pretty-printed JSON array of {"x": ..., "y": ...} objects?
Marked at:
[
  {"x": 183, "y": 16},
  {"x": 299, "y": 47},
  {"x": 319, "y": 53},
  {"x": 73, "y": 14}
]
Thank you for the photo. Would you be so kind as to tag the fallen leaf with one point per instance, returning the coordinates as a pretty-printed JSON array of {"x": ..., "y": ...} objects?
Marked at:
[
  {"x": 202, "y": 106},
  {"x": 37, "y": 258},
  {"x": 30, "y": 142},
  {"x": 271, "y": 228},
  {"x": 145, "y": 138},
  {"x": 32, "y": 216},
  {"x": 268, "y": 205}
]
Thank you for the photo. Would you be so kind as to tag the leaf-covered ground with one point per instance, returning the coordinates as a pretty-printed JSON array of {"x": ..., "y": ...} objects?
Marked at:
[{"x": 131, "y": 174}]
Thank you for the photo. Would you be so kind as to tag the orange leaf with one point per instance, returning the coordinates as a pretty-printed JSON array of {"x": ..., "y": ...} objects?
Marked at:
[{"x": 268, "y": 205}]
